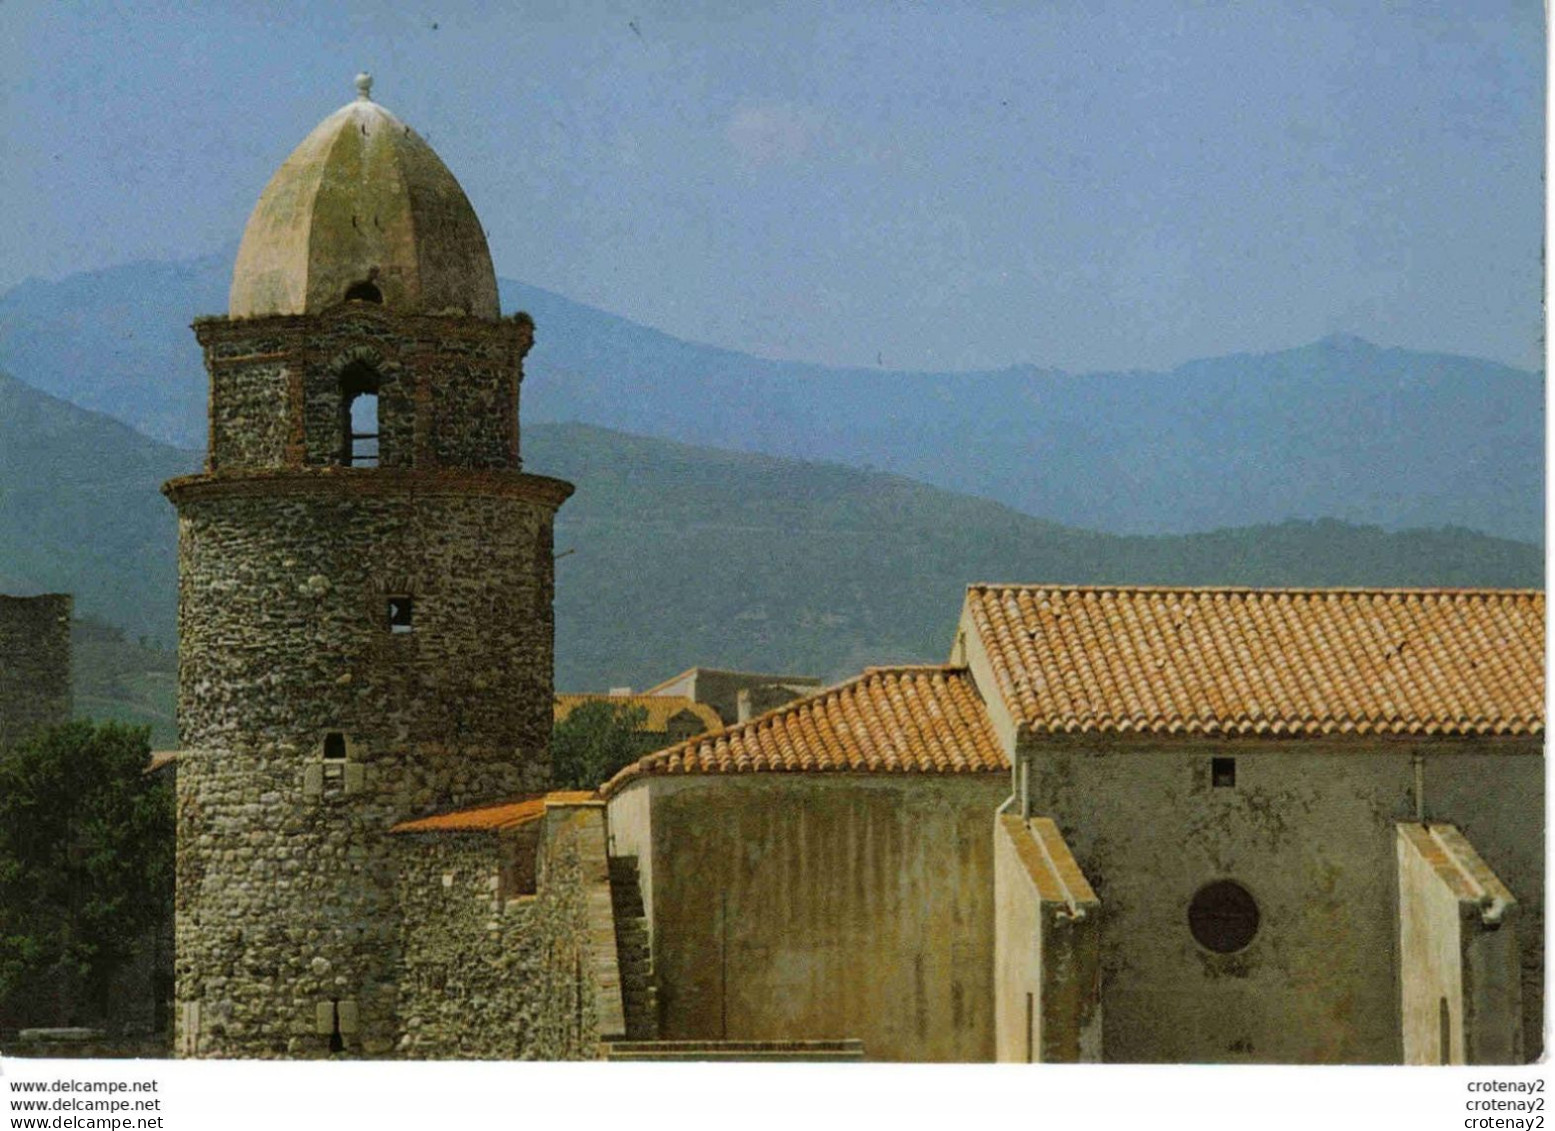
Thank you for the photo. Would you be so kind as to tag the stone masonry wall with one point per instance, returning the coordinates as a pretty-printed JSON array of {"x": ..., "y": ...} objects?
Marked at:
[
  {"x": 283, "y": 612},
  {"x": 492, "y": 978},
  {"x": 287, "y": 899},
  {"x": 34, "y": 664},
  {"x": 448, "y": 387}
]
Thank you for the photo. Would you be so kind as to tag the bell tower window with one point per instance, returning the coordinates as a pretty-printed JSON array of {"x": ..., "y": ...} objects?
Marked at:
[{"x": 359, "y": 416}]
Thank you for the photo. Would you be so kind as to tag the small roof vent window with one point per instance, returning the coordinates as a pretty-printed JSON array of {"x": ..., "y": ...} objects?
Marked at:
[{"x": 364, "y": 292}]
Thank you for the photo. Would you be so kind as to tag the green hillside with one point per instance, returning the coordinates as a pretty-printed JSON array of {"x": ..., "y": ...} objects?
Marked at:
[
  {"x": 80, "y": 511},
  {"x": 679, "y": 555},
  {"x": 130, "y": 681},
  {"x": 1340, "y": 428},
  {"x": 673, "y": 555}
]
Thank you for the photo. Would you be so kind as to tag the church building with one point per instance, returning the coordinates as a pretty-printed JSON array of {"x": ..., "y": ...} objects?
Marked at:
[{"x": 1117, "y": 824}]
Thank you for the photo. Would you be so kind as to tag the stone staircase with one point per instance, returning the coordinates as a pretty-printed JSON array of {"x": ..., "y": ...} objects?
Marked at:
[
  {"x": 634, "y": 953},
  {"x": 809, "y": 1052}
]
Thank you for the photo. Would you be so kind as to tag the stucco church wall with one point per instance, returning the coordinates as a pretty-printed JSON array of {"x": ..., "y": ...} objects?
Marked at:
[
  {"x": 823, "y": 906},
  {"x": 1046, "y": 946},
  {"x": 630, "y": 824},
  {"x": 1430, "y": 962},
  {"x": 1308, "y": 829},
  {"x": 970, "y": 651},
  {"x": 34, "y": 664},
  {"x": 1458, "y": 953},
  {"x": 1017, "y": 955}
]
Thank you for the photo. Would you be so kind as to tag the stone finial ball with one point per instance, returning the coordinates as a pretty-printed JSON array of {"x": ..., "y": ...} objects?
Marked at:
[{"x": 364, "y": 85}]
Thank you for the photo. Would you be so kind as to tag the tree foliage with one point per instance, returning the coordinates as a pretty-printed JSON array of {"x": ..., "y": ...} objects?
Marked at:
[
  {"x": 86, "y": 864},
  {"x": 594, "y": 741}
]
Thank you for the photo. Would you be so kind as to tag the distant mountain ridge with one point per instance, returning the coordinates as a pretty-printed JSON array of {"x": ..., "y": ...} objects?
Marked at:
[
  {"x": 1339, "y": 429},
  {"x": 685, "y": 555}
]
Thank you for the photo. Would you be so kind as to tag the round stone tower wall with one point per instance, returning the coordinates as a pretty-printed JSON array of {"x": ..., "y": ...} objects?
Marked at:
[
  {"x": 365, "y": 588},
  {"x": 358, "y": 647}
]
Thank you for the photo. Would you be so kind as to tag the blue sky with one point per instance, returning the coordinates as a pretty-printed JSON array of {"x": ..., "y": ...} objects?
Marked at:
[{"x": 946, "y": 186}]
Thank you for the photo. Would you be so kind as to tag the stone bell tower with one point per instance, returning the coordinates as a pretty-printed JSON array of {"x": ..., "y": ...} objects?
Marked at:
[{"x": 365, "y": 589}]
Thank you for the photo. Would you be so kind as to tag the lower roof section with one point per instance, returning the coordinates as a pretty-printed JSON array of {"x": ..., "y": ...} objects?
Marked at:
[
  {"x": 924, "y": 719},
  {"x": 498, "y": 817}
]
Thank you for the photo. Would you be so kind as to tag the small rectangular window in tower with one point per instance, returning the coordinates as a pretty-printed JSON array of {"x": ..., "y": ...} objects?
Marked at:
[
  {"x": 401, "y": 615},
  {"x": 1222, "y": 773},
  {"x": 327, "y": 779}
]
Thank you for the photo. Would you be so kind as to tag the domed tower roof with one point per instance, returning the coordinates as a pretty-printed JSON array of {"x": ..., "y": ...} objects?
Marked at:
[{"x": 363, "y": 209}]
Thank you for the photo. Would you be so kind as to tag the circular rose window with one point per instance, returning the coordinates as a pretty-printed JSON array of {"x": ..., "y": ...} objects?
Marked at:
[{"x": 1223, "y": 916}]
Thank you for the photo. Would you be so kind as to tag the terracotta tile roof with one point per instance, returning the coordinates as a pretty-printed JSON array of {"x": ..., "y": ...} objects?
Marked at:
[
  {"x": 661, "y": 708},
  {"x": 493, "y": 818},
  {"x": 925, "y": 719},
  {"x": 1274, "y": 662}
]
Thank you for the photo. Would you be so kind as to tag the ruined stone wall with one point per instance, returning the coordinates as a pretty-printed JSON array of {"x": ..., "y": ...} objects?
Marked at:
[
  {"x": 1308, "y": 830},
  {"x": 34, "y": 664},
  {"x": 491, "y": 978},
  {"x": 448, "y": 392},
  {"x": 287, "y": 899}
]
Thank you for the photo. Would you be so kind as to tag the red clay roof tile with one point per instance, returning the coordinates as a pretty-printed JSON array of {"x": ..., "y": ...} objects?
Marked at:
[
  {"x": 921, "y": 719},
  {"x": 1273, "y": 662},
  {"x": 493, "y": 818}
]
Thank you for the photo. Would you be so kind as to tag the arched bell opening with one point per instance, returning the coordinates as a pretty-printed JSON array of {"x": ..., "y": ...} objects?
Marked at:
[
  {"x": 364, "y": 292},
  {"x": 359, "y": 425}
]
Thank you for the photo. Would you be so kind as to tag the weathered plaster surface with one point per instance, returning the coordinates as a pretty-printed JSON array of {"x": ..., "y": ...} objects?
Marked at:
[
  {"x": 1458, "y": 953},
  {"x": 1309, "y": 830},
  {"x": 1047, "y": 939},
  {"x": 822, "y": 906},
  {"x": 363, "y": 198}
]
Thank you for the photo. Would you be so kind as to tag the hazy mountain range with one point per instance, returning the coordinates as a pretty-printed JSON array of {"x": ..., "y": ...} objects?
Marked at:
[
  {"x": 678, "y": 555},
  {"x": 1338, "y": 429}
]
